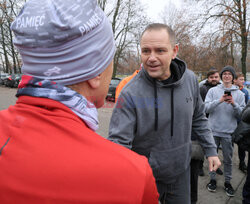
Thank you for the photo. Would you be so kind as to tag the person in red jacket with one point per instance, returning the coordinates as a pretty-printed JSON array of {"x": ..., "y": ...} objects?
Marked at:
[{"x": 49, "y": 151}]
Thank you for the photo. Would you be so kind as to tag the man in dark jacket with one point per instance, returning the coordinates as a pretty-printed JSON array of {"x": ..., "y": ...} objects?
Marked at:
[
  {"x": 213, "y": 79},
  {"x": 161, "y": 107},
  {"x": 196, "y": 163},
  {"x": 239, "y": 81},
  {"x": 241, "y": 137}
]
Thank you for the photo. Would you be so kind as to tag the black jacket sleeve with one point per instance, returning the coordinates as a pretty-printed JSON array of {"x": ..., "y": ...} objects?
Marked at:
[
  {"x": 203, "y": 92},
  {"x": 241, "y": 135},
  {"x": 246, "y": 114}
]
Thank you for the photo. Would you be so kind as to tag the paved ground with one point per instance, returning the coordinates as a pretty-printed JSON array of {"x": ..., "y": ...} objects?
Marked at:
[
  {"x": 238, "y": 180},
  {"x": 7, "y": 97}
]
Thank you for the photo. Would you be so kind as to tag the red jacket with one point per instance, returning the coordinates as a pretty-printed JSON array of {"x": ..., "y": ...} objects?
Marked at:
[{"x": 48, "y": 155}]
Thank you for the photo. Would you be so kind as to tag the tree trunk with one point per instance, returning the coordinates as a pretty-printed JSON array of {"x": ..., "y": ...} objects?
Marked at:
[
  {"x": 244, "y": 54},
  {"x": 12, "y": 49},
  {"x": 7, "y": 64},
  {"x": 244, "y": 38}
]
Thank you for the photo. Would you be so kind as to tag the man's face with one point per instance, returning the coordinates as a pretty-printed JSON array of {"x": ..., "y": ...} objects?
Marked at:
[
  {"x": 240, "y": 81},
  {"x": 227, "y": 77},
  {"x": 214, "y": 78},
  {"x": 157, "y": 53}
]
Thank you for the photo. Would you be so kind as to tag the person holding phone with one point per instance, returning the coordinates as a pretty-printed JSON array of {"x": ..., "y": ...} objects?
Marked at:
[{"x": 224, "y": 104}]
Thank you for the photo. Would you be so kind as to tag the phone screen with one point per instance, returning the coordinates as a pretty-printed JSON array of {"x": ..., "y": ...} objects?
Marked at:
[{"x": 227, "y": 93}]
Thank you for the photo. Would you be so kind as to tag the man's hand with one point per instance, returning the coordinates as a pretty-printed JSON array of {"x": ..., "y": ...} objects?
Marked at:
[
  {"x": 214, "y": 163},
  {"x": 228, "y": 99}
]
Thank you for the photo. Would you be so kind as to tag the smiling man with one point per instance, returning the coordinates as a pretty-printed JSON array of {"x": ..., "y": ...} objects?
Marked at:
[
  {"x": 213, "y": 79},
  {"x": 161, "y": 107},
  {"x": 224, "y": 104}
]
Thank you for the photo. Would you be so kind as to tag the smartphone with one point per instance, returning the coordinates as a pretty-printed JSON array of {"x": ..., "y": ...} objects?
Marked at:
[{"x": 227, "y": 93}]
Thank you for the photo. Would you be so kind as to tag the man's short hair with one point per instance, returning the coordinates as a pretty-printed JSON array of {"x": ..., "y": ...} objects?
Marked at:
[
  {"x": 159, "y": 26},
  {"x": 211, "y": 72},
  {"x": 238, "y": 75}
]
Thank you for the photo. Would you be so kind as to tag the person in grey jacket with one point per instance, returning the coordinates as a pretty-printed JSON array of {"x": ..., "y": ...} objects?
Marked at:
[
  {"x": 157, "y": 111},
  {"x": 224, "y": 104}
]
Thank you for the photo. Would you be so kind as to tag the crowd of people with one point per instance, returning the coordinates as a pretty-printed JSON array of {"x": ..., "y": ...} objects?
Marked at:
[{"x": 49, "y": 151}]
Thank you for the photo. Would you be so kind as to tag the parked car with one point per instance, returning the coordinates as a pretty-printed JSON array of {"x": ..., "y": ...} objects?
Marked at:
[
  {"x": 13, "y": 80},
  {"x": 3, "y": 78},
  {"x": 112, "y": 88}
]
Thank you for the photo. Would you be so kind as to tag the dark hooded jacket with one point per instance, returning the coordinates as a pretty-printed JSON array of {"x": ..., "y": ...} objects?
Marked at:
[
  {"x": 204, "y": 89},
  {"x": 155, "y": 118},
  {"x": 241, "y": 135}
]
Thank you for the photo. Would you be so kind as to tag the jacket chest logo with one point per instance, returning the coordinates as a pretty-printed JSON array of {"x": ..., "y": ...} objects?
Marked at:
[{"x": 189, "y": 99}]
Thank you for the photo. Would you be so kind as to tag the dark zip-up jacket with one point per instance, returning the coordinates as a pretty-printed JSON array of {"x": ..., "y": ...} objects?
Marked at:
[
  {"x": 242, "y": 132},
  {"x": 156, "y": 118},
  {"x": 204, "y": 89}
]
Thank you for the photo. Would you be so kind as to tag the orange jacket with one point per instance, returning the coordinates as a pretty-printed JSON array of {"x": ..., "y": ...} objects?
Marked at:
[
  {"x": 123, "y": 83},
  {"x": 48, "y": 155}
]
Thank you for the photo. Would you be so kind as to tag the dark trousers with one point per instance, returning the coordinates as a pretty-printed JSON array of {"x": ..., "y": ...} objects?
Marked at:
[
  {"x": 242, "y": 154},
  {"x": 246, "y": 188},
  {"x": 177, "y": 192},
  {"x": 194, "y": 175}
]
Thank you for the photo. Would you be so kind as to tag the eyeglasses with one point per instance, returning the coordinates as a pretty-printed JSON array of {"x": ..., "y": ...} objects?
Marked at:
[{"x": 227, "y": 74}]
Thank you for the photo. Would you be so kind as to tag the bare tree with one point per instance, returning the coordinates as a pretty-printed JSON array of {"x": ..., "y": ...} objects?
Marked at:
[
  {"x": 4, "y": 52},
  {"x": 102, "y": 4},
  {"x": 8, "y": 11},
  {"x": 182, "y": 24},
  {"x": 234, "y": 23},
  {"x": 210, "y": 32},
  {"x": 128, "y": 20}
]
